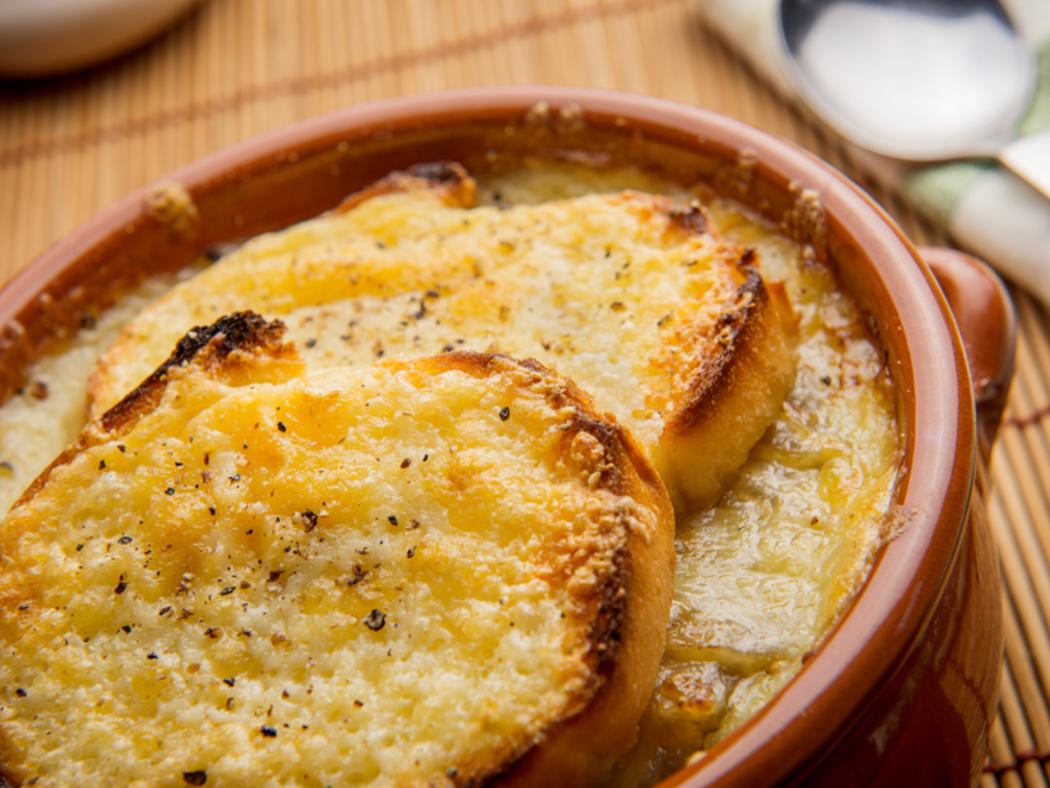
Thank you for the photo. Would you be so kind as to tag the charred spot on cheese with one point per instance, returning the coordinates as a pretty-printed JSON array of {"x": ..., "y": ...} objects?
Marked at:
[
  {"x": 691, "y": 218},
  {"x": 241, "y": 331},
  {"x": 502, "y": 601}
]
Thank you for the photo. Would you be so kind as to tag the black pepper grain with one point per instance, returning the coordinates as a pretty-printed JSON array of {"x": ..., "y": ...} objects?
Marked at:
[
  {"x": 227, "y": 590},
  {"x": 392, "y": 519},
  {"x": 170, "y": 491},
  {"x": 125, "y": 539},
  {"x": 309, "y": 519},
  {"x": 357, "y": 577},
  {"x": 268, "y": 731},
  {"x": 121, "y": 585},
  {"x": 375, "y": 620},
  {"x": 504, "y": 413},
  {"x": 198, "y": 777},
  {"x": 281, "y": 427}
]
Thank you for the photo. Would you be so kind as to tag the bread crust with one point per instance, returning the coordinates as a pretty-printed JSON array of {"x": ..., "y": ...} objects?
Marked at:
[
  {"x": 614, "y": 577},
  {"x": 732, "y": 395},
  {"x": 448, "y": 180}
]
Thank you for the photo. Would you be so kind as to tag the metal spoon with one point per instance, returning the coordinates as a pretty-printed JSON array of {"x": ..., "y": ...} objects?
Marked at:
[{"x": 919, "y": 80}]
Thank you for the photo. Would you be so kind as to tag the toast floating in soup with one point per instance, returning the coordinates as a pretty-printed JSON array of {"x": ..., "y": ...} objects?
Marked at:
[{"x": 432, "y": 572}]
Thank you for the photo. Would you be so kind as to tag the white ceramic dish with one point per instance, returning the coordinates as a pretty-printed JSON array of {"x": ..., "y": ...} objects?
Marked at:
[{"x": 43, "y": 37}]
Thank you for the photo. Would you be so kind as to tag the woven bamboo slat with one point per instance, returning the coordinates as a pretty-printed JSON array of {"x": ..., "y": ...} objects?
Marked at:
[{"x": 71, "y": 145}]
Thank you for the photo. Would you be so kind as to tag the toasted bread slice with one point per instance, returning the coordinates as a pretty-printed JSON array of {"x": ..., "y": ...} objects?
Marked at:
[
  {"x": 630, "y": 295},
  {"x": 446, "y": 571}
]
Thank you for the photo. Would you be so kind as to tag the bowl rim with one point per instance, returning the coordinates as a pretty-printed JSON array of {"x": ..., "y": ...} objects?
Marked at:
[{"x": 892, "y": 608}]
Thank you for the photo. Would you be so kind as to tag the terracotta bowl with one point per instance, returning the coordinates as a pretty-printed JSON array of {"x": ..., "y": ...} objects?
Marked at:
[{"x": 904, "y": 689}]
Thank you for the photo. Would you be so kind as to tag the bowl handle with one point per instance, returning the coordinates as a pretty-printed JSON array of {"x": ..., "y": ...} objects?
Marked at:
[{"x": 985, "y": 315}]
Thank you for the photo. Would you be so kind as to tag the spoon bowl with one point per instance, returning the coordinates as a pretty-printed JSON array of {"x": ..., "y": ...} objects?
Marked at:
[{"x": 919, "y": 80}]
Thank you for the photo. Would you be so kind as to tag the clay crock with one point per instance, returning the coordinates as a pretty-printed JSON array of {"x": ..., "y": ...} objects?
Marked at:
[{"x": 904, "y": 689}]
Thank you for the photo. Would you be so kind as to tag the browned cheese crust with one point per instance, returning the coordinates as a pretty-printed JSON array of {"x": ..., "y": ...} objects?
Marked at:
[{"x": 514, "y": 484}]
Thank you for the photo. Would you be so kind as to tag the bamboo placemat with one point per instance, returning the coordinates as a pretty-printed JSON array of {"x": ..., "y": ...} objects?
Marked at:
[{"x": 70, "y": 146}]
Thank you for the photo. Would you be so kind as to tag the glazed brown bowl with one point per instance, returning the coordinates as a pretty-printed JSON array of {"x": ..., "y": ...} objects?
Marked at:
[{"x": 904, "y": 688}]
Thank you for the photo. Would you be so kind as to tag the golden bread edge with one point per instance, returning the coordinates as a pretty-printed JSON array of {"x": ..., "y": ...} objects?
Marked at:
[
  {"x": 734, "y": 396},
  {"x": 449, "y": 180}
]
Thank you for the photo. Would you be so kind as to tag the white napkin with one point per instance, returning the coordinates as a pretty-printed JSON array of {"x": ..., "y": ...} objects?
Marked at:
[{"x": 985, "y": 208}]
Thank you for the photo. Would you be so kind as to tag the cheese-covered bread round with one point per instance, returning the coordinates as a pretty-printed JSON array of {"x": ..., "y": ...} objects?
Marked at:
[
  {"x": 631, "y": 295},
  {"x": 434, "y": 572}
]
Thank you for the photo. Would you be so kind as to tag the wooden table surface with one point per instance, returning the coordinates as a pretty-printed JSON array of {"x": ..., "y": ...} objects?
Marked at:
[{"x": 71, "y": 145}]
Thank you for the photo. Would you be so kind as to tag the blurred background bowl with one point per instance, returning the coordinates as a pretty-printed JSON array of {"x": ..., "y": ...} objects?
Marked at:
[{"x": 46, "y": 37}]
